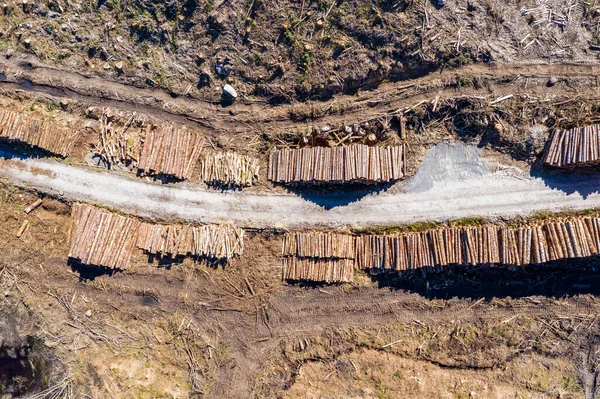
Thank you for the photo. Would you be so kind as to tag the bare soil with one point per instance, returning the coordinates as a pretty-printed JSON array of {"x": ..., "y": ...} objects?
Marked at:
[
  {"x": 171, "y": 329},
  {"x": 497, "y": 75}
]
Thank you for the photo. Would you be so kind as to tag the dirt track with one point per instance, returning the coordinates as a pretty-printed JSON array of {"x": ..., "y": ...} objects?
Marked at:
[
  {"x": 502, "y": 193},
  {"x": 249, "y": 115}
]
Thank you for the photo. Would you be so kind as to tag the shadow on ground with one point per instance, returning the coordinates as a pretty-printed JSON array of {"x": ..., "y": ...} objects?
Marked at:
[
  {"x": 583, "y": 180},
  {"x": 555, "y": 279},
  {"x": 10, "y": 149},
  {"x": 87, "y": 272},
  {"x": 332, "y": 196}
]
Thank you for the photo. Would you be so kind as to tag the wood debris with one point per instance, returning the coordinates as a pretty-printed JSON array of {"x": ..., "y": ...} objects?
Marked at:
[
  {"x": 34, "y": 205},
  {"x": 102, "y": 238},
  {"x": 23, "y": 228},
  {"x": 170, "y": 151},
  {"x": 37, "y": 132},
  {"x": 574, "y": 147},
  {"x": 352, "y": 163},
  {"x": 229, "y": 169},
  {"x": 208, "y": 241},
  {"x": 115, "y": 145},
  {"x": 318, "y": 257}
]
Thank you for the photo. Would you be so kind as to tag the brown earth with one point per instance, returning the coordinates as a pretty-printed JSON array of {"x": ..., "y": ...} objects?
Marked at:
[
  {"x": 454, "y": 105},
  {"x": 169, "y": 329}
]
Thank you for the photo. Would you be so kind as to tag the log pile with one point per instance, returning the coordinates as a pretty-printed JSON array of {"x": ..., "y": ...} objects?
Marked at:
[
  {"x": 574, "y": 147},
  {"x": 535, "y": 244},
  {"x": 170, "y": 151},
  {"x": 208, "y": 241},
  {"x": 102, "y": 238},
  {"x": 318, "y": 257},
  {"x": 352, "y": 163},
  {"x": 115, "y": 145},
  {"x": 37, "y": 132},
  {"x": 229, "y": 169},
  {"x": 318, "y": 270}
]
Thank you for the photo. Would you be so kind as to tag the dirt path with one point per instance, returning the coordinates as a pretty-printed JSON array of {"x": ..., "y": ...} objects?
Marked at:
[
  {"x": 459, "y": 194},
  {"x": 248, "y": 115}
]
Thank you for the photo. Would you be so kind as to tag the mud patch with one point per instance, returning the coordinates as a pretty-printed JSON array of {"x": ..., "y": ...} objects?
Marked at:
[{"x": 24, "y": 363}]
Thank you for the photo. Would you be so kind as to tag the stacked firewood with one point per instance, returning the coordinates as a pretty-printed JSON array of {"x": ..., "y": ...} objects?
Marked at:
[
  {"x": 353, "y": 163},
  {"x": 535, "y": 244},
  {"x": 318, "y": 257},
  {"x": 170, "y": 151},
  {"x": 579, "y": 146},
  {"x": 208, "y": 241},
  {"x": 37, "y": 132},
  {"x": 102, "y": 238},
  {"x": 229, "y": 169}
]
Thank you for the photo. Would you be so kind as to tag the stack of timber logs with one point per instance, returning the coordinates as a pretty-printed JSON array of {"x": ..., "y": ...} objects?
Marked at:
[
  {"x": 318, "y": 257},
  {"x": 318, "y": 270},
  {"x": 171, "y": 151},
  {"x": 102, "y": 238},
  {"x": 229, "y": 169},
  {"x": 535, "y": 244},
  {"x": 574, "y": 147},
  {"x": 208, "y": 241},
  {"x": 352, "y": 163},
  {"x": 37, "y": 132}
]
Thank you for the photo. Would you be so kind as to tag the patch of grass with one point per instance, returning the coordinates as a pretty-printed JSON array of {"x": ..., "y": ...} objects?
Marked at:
[
  {"x": 52, "y": 105},
  {"x": 411, "y": 228},
  {"x": 571, "y": 383},
  {"x": 468, "y": 222}
]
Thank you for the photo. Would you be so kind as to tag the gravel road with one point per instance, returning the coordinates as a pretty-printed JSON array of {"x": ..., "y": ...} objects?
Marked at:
[{"x": 470, "y": 190}]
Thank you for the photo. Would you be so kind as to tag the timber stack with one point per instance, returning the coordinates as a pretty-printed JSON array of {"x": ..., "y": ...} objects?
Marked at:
[
  {"x": 229, "y": 169},
  {"x": 102, "y": 238},
  {"x": 346, "y": 164},
  {"x": 574, "y": 147},
  {"x": 534, "y": 244},
  {"x": 37, "y": 132},
  {"x": 318, "y": 257},
  {"x": 208, "y": 241},
  {"x": 170, "y": 151}
]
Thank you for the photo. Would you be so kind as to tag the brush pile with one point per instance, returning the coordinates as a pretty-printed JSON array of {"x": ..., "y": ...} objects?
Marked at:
[
  {"x": 37, "y": 132},
  {"x": 170, "y": 151},
  {"x": 115, "y": 145},
  {"x": 102, "y": 238},
  {"x": 318, "y": 257},
  {"x": 345, "y": 164},
  {"x": 208, "y": 241},
  {"x": 574, "y": 147},
  {"x": 229, "y": 169}
]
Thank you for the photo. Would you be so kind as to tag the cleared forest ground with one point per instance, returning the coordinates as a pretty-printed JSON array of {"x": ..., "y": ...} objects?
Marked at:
[{"x": 493, "y": 78}]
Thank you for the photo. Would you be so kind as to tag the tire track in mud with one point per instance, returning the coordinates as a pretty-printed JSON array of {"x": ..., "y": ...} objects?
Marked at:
[
  {"x": 32, "y": 77},
  {"x": 339, "y": 312}
]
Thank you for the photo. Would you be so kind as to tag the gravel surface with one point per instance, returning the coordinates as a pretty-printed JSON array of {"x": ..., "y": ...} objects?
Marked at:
[{"x": 445, "y": 195}]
